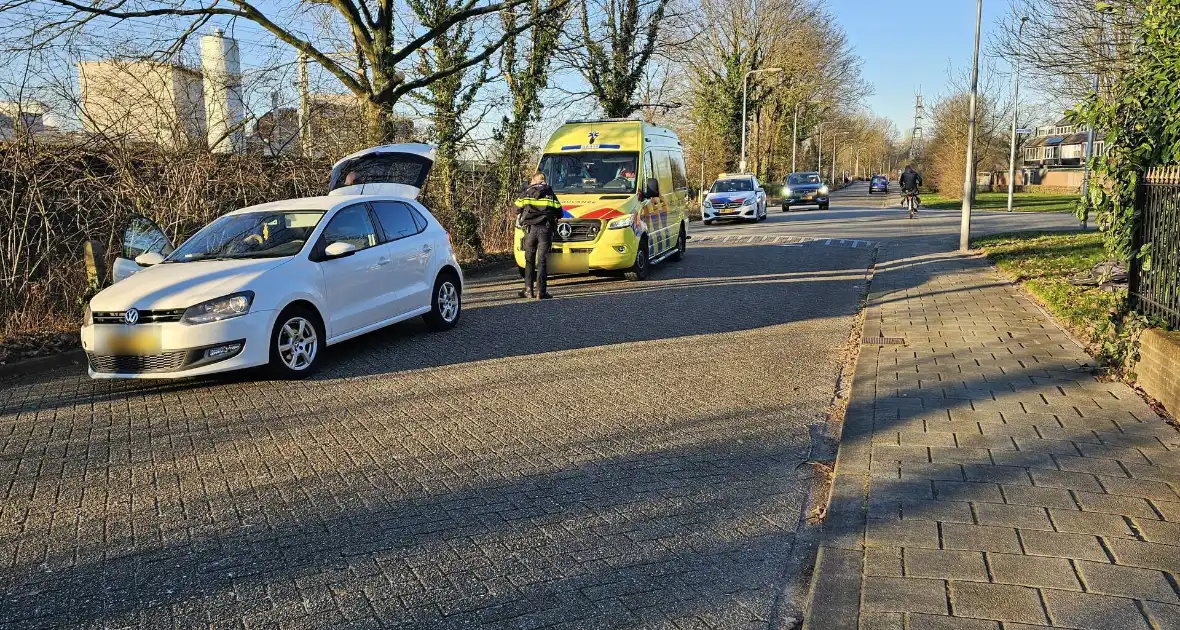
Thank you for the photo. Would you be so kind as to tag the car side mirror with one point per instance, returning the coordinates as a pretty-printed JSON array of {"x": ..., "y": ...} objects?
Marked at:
[
  {"x": 148, "y": 259},
  {"x": 339, "y": 249},
  {"x": 652, "y": 189}
]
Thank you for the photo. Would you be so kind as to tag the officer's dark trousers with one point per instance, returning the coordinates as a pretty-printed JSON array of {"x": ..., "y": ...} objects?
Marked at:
[{"x": 537, "y": 243}]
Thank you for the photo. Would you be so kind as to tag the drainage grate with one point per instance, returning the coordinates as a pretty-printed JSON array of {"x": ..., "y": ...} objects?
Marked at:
[{"x": 883, "y": 341}]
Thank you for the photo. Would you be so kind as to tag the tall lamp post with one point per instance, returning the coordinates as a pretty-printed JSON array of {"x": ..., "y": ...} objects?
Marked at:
[
  {"x": 795, "y": 136},
  {"x": 819, "y": 148},
  {"x": 1103, "y": 9},
  {"x": 834, "y": 136},
  {"x": 1015, "y": 110},
  {"x": 969, "y": 167},
  {"x": 745, "y": 85}
]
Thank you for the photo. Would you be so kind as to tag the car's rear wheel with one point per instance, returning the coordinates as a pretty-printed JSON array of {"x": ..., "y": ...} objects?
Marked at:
[
  {"x": 639, "y": 269},
  {"x": 681, "y": 245},
  {"x": 446, "y": 302},
  {"x": 296, "y": 343}
]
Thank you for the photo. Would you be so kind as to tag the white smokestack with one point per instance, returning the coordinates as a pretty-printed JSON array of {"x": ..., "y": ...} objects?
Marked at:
[{"x": 223, "y": 92}]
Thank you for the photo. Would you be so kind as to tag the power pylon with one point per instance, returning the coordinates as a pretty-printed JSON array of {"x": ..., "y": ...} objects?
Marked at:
[{"x": 917, "y": 135}]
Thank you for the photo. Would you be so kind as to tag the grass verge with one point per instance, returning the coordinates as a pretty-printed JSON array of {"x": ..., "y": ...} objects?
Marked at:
[
  {"x": 1021, "y": 202},
  {"x": 1044, "y": 263}
]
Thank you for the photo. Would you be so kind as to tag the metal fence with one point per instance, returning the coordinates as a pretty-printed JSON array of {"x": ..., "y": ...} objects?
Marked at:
[{"x": 1155, "y": 279}]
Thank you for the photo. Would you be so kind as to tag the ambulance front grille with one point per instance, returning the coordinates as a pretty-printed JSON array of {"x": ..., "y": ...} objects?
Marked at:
[{"x": 580, "y": 231}]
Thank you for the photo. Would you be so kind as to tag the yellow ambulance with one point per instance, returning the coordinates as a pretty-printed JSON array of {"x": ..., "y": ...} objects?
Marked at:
[{"x": 623, "y": 190}]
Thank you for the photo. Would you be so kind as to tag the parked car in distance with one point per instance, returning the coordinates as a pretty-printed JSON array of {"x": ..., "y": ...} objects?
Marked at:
[
  {"x": 805, "y": 189},
  {"x": 878, "y": 183},
  {"x": 734, "y": 196},
  {"x": 273, "y": 284}
]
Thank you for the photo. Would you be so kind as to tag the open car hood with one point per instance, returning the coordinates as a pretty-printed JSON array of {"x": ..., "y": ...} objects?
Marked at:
[{"x": 398, "y": 170}]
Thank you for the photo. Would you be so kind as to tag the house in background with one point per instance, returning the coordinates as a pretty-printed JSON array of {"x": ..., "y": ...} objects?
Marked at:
[{"x": 1056, "y": 154}]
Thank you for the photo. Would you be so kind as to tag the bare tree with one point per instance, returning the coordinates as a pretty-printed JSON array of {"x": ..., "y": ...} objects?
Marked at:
[
  {"x": 946, "y": 148},
  {"x": 1066, "y": 43},
  {"x": 525, "y": 63},
  {"x": 373, "y": 71},
  {"x": 615, "y": 43}
]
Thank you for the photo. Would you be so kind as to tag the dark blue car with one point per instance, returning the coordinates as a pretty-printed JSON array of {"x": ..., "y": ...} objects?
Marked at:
[
  {"x": 805, "y": 189},
  {"x": 878, "y": 183}
]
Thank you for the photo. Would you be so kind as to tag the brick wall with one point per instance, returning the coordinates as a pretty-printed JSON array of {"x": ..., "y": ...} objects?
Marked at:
[{"x": 1158, "y": 370}]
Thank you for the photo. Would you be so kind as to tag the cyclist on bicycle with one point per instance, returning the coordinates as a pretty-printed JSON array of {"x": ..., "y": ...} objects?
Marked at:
[{"x": 910, "y": 181}]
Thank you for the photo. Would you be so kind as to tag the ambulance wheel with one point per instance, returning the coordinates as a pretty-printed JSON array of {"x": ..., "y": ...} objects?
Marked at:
[
  {"x": 681, "y": 243},
  {"x": 638, "y": 271}
]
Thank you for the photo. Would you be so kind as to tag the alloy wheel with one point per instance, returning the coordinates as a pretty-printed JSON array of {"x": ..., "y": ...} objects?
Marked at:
[
  {"x": 298, "y": 343},
  {"x": 448, "y": 301}
]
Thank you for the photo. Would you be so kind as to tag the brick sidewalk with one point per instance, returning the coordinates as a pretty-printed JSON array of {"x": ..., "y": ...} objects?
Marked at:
[{"x": 985, "y": 477}]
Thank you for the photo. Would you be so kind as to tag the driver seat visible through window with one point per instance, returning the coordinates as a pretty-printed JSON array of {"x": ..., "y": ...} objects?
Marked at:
[{"x": 351, "y": 225}]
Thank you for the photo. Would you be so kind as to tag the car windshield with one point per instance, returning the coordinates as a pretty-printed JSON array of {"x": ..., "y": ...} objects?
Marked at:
[
  {"x": 591, "y": 172},
  {"x": 732, "y": 185},
  {"x": 803, "y": 178},
  {"x": 251, "y": 235}
]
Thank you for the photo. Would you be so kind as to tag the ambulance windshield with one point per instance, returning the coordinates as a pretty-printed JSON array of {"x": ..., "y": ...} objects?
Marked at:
[{"x": 591, "y": 172}]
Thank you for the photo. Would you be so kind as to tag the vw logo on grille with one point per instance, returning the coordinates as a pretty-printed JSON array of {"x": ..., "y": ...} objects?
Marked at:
[
  {"x": 564, "y": 230},
  {"x": 131, "y": 317}
]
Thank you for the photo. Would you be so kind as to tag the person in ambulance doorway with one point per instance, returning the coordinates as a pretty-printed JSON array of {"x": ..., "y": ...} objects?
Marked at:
[{"x": 539, "y": 211}]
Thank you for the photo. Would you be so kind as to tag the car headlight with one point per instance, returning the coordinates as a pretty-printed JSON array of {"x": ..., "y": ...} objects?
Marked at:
[
  {"x": 823, "y": 190},
  {"x": 749, "y": 202},
  {"x": 87, "y": 316},
  {"x": 787, "y": 190},
  {"x": 218, "y": 309},
  {"x": 621, "y": 222}
]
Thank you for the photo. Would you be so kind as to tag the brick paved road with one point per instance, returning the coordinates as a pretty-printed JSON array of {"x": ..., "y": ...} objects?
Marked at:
[
  {"x": 650, "y": 481},
  {"x": 985, "y": 477}
]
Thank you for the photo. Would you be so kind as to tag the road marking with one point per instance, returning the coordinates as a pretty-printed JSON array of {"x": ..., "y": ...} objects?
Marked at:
[{"x": 782, "y": 241}]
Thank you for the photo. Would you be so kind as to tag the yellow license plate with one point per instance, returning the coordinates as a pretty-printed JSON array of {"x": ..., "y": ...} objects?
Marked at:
[
  {"x": 130, "y": 340},
  {"x": 809, "y": 197},
  {"x": 728, "y": 212}
]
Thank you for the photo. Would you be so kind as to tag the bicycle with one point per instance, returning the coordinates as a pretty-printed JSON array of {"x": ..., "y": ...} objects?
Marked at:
[{"x": 911, "y": 202}]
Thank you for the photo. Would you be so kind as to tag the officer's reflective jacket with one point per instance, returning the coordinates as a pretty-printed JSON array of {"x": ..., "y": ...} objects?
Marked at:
[{"x": 538, "y": 205}]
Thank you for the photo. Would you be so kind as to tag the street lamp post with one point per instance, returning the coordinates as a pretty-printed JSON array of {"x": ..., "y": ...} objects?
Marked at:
[
  {"x": 795, "y": 138},
  {"x": 1103, "y": 9},
  {"x": 745, "y": 84},
  {"x": 834, "y": 136},
  {"x": 1015, "y": 109},
  {"x": 819, "y": 148},
  {"x": 856, "y": 168},
  {"x": 969, "y": 167}
]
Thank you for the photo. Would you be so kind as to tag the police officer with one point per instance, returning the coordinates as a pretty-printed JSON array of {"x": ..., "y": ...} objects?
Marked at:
[{"x": 539, "y": 211}]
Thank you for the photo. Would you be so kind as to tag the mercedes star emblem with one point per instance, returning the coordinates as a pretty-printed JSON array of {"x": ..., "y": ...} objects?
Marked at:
[
  {"x": 564, "y": 230},
  {"x": 131, "y": 317}
]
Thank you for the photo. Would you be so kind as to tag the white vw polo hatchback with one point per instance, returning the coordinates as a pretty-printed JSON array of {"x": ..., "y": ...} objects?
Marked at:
[{"x": 273, "y": 284}]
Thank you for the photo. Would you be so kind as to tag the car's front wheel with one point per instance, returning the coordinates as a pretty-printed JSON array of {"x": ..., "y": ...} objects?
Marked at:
[
  {"x": 786, "y": 207},
  {"x": 639, "y": 269},
  {"x": 446, "y": 303},
  {"x": 296, "y": 343}
]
